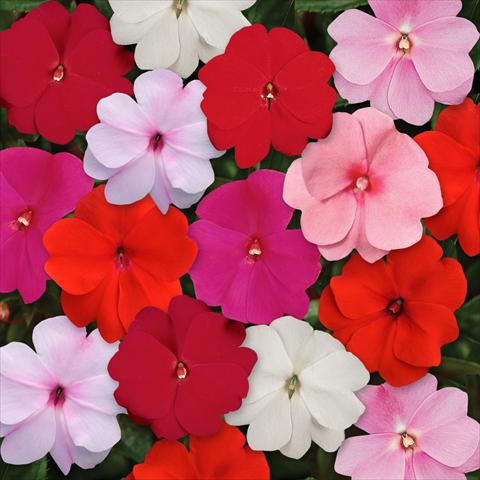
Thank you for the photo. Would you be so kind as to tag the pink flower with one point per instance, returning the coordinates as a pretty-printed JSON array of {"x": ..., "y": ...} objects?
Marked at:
[
  {"x": 416, "y": 433},
  {"x": 248, "y": 262},
  {"x": 365, "y": 187},
  {"x": 413, "y": 54},
  {"x": 59, "y": 399},
  {"x": 36, "y": 189},
  {"x": 157, "y": 145}
]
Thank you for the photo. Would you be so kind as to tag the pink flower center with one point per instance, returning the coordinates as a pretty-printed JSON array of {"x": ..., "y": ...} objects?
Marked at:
[
  {"x": 395, "y": 307},
  {"x": 404, "y": 43},
  {"x": 156, "y": 142},
  {"x": 58, "y": 73},
  {"x": 121, "y": 259},
  {"x": 23, "y": 220},
  {"x": 57, "y": 396},
  {"x": 407, "y": 440},
  {"x": 254, "y": 250},
  {"x": 269, "y": 93},
  {"x": 361, "y": 184},
  {"x": 181, "y": 371}
]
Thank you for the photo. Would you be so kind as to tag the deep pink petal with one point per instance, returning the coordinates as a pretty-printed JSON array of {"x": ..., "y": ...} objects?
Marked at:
[{"x": 236, "y": 204}]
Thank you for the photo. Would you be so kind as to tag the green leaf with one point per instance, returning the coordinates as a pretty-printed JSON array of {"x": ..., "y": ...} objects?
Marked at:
[
  {"x": 136, "y": 439},
  {"x": 272, "y": 13},
  {"x": 327, "y": 5},
  {"x": 33, "y": 471},
  {"x": 469, "y": 319},
  {"x": 456, "y": 367},
  {"x": 312, "y": 314},
  {"x": 19, "y": 5}
]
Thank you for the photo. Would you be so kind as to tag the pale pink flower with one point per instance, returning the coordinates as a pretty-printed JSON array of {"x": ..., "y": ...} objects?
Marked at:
[
  {"x": 416, "y": 433},
  {"x": 365, "y": 187},
  {"x": 412, "y": 54},
  {"x": 59, "y": 399}
]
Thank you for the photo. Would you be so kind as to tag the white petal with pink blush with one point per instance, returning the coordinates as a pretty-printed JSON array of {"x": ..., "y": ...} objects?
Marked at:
[
  {"x": 157, "y": 145},
  {"x": 58, "y": 399}
]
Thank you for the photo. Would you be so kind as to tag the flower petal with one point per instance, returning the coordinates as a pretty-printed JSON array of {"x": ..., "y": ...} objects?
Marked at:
[
  {"x": 30, "y": 440},
  {"x": 408, "y": 97},
  {"x": 362, "y": 40}
]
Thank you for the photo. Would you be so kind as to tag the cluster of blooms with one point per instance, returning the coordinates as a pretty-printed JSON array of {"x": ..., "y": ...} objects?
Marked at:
[{"x": 182, "y": 368}]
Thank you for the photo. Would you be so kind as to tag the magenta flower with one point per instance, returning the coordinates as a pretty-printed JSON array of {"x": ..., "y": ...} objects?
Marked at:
[
  {"x": 59, "y": 399},
  {"x": 248, "y": 263},
  {"x": 365, "y": 187},
  {"x": 415, "y": 433},
  {"x": 36, "y": 189},
  {"x": 413, "y": 54}
]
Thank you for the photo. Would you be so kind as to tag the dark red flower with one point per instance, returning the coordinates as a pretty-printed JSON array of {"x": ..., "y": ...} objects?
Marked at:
[
  {"x": 453, "y": 152},
  {"x": 183, "y": 370},
  {"x": 396, "y": 315},
  {"x": 56, "y": 66},
  {"x": 267, "y": 87},
  {"x": 223, "y": 456}
]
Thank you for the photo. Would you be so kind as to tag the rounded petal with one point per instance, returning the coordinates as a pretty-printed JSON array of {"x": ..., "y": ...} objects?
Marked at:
[
  {"x": 31, "y": 440},
  {"x": 354, "y": 458},
  {"x": 133, "y": 181},
  {"x": 362, "y": 40},
  {"x": 114, "y": 147},
  {"x": 159, "y": 47},
  {"x": 57, "y": 341},
  {"x": 408, "y": 14},
  {"x": 300, "y": 440},
  {"x": 187, "y": 172},
  {"x": 21, "y": 364},
  {"x": 441, "y": 55},
  {"x": 122, "y": 112},
  {"x": 74, "y": 246},
  {"x": 272, "y": 428},
  {"x": 408, "y": 97}
]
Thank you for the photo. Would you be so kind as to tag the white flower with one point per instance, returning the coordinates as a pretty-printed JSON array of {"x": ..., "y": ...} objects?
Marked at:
[
  {"x": 174, "y": 34},
  {"x": 301, "y": 389}
]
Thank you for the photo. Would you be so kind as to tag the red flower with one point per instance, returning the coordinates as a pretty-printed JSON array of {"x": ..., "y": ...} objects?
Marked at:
[
  {"x": 56, "y": 66},
  {"x": 395, "y": 315},
  {"x": 183, "y": 370},
  {"x": 453, "y": 151},
  {"x": 221, "y": 457},
  {"x": 113, "y": 260},
  {"x": 267, "y": 87}
]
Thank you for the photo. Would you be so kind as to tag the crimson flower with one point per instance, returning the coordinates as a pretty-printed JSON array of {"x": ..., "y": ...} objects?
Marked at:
[
  {"x": 56, "y": 66},
  {"x": 181, "y": 371},
  {"x": 395, "y": 315},
  {"x": 267, "y": 87}
]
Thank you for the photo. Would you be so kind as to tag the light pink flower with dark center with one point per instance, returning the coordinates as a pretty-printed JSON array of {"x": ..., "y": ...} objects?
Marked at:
[
  {"x": 415, "y": 433},
  {"x": 59, "y": 399},
  {"x": 412, "y": 54}
]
